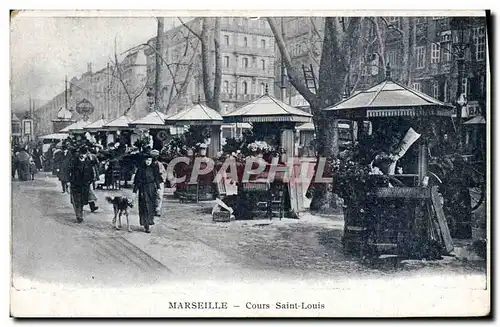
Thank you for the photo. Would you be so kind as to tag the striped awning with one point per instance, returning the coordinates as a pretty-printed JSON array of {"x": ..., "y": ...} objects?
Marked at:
[
  {"x": 407, "y": 112},
  {"x": 54, "y": 136},
  {"x": 96, "y": 126},
  {"x": 268, "y": 119},
  {"x": 267, "y": 109},
  {"x": 390, "y": 99}
]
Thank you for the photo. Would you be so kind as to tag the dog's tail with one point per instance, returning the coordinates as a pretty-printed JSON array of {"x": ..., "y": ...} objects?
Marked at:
[{"x": 109, "y": 199}]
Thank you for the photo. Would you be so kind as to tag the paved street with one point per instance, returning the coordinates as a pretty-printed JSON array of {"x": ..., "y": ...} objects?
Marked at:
[{"x": 50, "y": 247}]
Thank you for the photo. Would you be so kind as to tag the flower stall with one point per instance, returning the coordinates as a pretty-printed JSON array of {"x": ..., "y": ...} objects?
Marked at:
[
  {"x": 273, "y": 122},
  {"x": 118, "y": 130},
  {"x": 97, "y": 130},
  {"x": 204, "y": 127},
  {"x": 154, "y": 124},
  {"x": 391, "y": 203}
]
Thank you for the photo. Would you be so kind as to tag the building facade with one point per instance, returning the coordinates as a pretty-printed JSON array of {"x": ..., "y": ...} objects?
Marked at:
[
  {"x": 111, "y": 91},
  {"x": 432, "y": 57},
  {"x": 247, "y": 58}
]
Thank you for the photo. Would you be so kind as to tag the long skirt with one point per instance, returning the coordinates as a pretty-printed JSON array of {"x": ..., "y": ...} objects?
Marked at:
[
  {"x": 23, "y": 170},
  {"x": 147, "y": 204},
  {"x": 92, "y": 197},
  {"x": 79, "y": 198}
]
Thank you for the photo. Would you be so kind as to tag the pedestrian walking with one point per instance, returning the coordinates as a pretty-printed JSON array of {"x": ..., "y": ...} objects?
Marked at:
[
  {"x": 64, "y": 168},
  {"x": 163, "y": 173},
  {"x": 23, "y": 164},
  {"x": 95, "y": 172},
  {"x": 81, "y": 177},
  {"x": 146, "y": 184}
]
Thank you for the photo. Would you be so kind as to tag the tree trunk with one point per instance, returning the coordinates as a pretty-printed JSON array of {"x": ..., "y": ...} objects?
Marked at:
[
  {"x": 158, "y": 64},
  {"x": 205, "y": 59},
  {"x": 407, "y": 35},
  {"x": 215, "y": 103}
]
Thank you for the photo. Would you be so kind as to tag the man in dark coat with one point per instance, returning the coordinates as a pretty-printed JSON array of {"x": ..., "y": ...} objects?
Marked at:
[
  {"x": 23, "y": 162},
  {"x": 147, "y": 182},
  {"x": 64, "y": 169},
  {"x": 81, "y": 177}
]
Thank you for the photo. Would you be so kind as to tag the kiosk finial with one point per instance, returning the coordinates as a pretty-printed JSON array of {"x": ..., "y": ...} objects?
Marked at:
[{"x": 388, "y": 72}]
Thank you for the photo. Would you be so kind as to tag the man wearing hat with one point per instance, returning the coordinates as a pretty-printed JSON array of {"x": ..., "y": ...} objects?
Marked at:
[
  {"x": 81, "y": 176},
  {"x": 155, "y": 154}
]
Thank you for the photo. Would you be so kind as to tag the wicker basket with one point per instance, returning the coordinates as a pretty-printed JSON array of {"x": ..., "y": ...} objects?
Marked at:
[{"x": 221, "y": 216}]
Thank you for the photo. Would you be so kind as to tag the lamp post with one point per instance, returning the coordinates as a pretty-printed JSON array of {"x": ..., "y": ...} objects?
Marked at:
[
  {"x": 151, "y": 99},
  {"x": 458, "y": 27}
]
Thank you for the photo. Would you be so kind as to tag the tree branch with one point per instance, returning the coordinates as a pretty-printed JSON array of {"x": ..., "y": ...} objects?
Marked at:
[
  {"x": 190, "y": 29},
  {"x": 293, "y": 75},
  {"x": 156, "y": 52}
]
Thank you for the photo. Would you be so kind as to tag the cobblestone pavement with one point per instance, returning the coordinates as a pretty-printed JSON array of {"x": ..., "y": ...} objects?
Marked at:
[{"x": 190, "y": 245}]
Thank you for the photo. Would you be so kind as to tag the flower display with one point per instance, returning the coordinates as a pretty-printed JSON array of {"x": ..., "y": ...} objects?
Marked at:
[{"x": 259, "y": 146}]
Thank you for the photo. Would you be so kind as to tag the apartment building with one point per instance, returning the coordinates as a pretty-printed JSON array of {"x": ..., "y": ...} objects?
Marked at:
[{"x": 247, "y": 57}]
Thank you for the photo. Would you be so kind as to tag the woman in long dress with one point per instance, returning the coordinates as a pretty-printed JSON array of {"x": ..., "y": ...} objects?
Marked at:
[{"x": 146, "y": 182}]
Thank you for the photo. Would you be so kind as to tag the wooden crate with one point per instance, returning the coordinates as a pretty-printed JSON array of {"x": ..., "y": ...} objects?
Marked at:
[{"x": 221, "y": 216}]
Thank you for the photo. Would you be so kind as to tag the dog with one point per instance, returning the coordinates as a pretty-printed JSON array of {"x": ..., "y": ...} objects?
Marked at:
[{"x": 120, "y": 207}]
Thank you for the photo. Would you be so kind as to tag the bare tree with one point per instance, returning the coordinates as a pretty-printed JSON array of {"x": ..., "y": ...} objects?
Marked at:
[
  {"x": 211, "y": 91},
  {"x": 338, "y": 42},
  {"x": 179, "y": 81},
  {"x": 132, "y": 92}
]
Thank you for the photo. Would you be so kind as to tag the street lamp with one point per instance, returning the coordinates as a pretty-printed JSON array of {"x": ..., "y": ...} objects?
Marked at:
[
  {"x": 458, "y": 26},
  {"x": 151, "y": 98}
]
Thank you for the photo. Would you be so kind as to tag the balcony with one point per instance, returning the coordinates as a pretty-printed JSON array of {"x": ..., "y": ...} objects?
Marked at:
[
  {"x": 231, "y": 97},
  {"x": 440, "y": 68},
  {"x": 255, "y": 71},
  {"x": 268, "y": 51}
]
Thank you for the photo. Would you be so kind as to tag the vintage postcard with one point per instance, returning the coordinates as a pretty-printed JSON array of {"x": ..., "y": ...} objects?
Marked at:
[{"x": 250, "y": 164}]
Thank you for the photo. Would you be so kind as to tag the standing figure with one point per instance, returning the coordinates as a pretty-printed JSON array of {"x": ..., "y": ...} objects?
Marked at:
[
  {"x": 92, "y": 157},
  {"x": 37, "y": 157},
  {"x": 147, "y": 182},
  {"x": 23, "y": 162},
  {"x": 163, "y": 172},
  {"x": 81, "y": 178},
  {"x": 64, "y": 168},
  {"x": 14, "y": 162}
]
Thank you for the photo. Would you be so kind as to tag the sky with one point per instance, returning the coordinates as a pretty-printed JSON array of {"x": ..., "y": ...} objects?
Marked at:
[{"x": 45, "y": 49}]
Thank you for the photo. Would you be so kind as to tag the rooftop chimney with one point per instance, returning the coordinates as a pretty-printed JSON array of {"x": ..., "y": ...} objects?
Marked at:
[{"x": 89, "y": 67}]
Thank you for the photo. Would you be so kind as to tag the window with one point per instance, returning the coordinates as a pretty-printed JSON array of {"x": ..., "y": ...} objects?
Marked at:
[
  {"x": 394, "y": 21},
  {"x": 446, "y": 51},
  {"x": 420, "y": 57},
  {"x": 417, "y": 87},
  {"x": 225, "y": 87},
  {"x": 482, "y": 87},
  {"x": 392, "y": 58},
  {"x": 244, "y": 63},
  {"x": 479, "y": 42},
  {"x": 362, "y": 67},
  {"x": 226, "y": 61},
  {"x": 435, "y": 52},
  {"x": 421, "y": 20},
  {"x": 226, "y": 39},
  {"x": 245, "y": 42},
  {"x": 463, "y": 86},
  {"x": 263, "y": 64},
  {"x": 263, "y": 44},
  {"x": 445, "y": 91},
  {"x": 262, "y": 88},
  {"x": 244, "y": 87},
  {"x": 435, "y": 90}
]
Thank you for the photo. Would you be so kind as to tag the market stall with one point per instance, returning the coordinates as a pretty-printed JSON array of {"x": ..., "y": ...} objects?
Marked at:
[
  {"x": 392, "y": 205},
  {"x": 154, "y": 123},
  {"x": 98, "y": 131},
  {"x": 76, "y": 128},
  {"x": 203, "y": 117},
  {"x": 119, "y": 130},
  {"x": 273, "y": 122}
]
